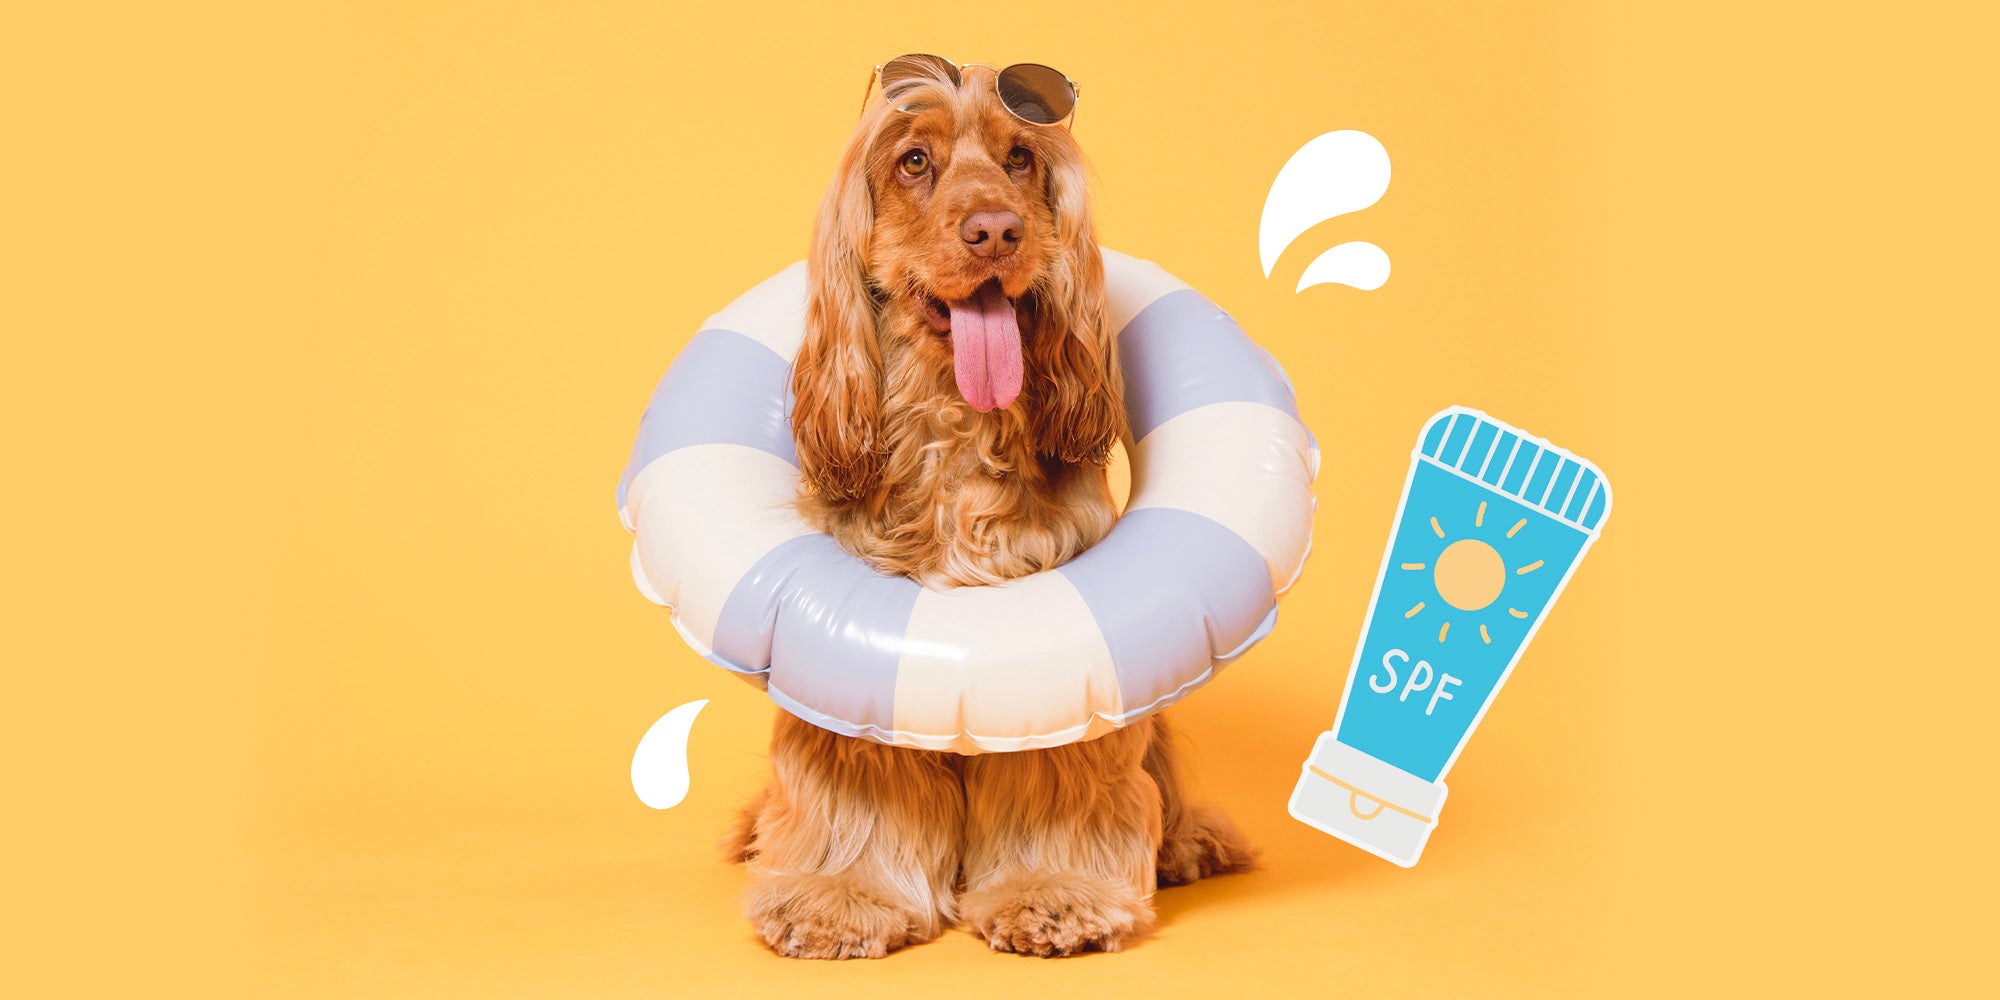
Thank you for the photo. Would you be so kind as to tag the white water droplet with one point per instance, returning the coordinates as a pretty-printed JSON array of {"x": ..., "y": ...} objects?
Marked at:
[
  {"x": 1334, "y": 174},
  {"x": 1362, "y": 265},
  {"x": 660, "y": 764}
]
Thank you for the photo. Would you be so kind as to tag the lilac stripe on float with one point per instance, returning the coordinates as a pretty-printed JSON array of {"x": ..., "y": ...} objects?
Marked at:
[
  {"x": 825, "y": 627},
  {"x": 1183, "y": 351},
  {"x": 1311, "y": 442},
  {"x": 1175, "y": 594},
  {"x": 723, "y": 388}
]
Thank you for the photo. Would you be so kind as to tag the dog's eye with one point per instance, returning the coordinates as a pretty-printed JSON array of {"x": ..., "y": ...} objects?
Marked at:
[
  {"x": 915, "y": 162},
  {"x": 1018, "y": 158}
]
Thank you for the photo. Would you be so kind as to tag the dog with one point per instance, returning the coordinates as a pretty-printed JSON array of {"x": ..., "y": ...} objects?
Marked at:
[{"x": 957, "y": 399}]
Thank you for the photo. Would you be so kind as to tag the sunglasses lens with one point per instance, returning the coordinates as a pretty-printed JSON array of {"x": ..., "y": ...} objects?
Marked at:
[
  {"x": 903, "y": 71},
  {"x": 1037, "y": 93}
]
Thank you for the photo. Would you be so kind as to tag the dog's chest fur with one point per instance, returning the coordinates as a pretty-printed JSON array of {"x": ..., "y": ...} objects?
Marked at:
[{"x": 964, "y": 499}]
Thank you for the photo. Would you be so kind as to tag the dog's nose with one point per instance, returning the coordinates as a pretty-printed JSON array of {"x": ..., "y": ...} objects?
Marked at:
[{"x": 992, "y": 234}]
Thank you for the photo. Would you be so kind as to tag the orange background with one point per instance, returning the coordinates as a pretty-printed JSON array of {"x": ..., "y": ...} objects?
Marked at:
[{"x": 328, "y": 329}]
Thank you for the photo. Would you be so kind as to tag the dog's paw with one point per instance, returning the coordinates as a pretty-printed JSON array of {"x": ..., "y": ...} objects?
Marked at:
[
  {"x": 1207, "y": 843},
  {"x": 1056, "y": 916},
  {"x": 823, "y": 916}
]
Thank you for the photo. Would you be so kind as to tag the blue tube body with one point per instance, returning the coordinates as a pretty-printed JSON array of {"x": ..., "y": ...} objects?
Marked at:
[{"x": 1491, "y": 524}]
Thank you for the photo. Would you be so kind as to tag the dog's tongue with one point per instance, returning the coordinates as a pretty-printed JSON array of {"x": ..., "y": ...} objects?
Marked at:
[{"x": 986, "y": 348}]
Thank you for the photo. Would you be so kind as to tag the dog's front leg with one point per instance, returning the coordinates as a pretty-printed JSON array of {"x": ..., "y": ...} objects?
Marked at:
[
  {"x": 855, "y": 849},
  {"x": 1060, "y": 846}
]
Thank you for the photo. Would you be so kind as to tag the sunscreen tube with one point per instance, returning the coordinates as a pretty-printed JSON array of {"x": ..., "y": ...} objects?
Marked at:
[{"x": 1492, "y": 524}]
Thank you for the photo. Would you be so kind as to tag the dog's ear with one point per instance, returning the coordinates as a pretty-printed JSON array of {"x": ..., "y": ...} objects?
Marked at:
[
  {"x": 837, "y": 375},
  {"x": 1079, "y": 389}
]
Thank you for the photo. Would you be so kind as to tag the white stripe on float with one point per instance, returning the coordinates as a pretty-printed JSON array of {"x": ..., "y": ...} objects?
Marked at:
[
  {"x": 958, "y": 742},
  {"x": 1246, "y": 466},
  {"x": 705, "y": 514},
  {"x": 1132, "y": 284},
  {"x": 1012, "y": 663},
  {"x": 639, "y": 578},
  {"x": 773, "y": 313}
]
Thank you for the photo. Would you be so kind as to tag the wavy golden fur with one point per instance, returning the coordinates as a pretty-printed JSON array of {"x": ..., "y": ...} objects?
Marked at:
[{"x": 857, "y": 848}]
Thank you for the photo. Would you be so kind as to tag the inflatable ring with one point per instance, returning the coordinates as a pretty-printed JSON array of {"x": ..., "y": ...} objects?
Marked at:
[{"x": 1218, "y": 525}]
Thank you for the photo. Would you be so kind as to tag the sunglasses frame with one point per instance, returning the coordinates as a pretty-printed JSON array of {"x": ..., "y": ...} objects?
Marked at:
[{"x": 1068, "y": 120}]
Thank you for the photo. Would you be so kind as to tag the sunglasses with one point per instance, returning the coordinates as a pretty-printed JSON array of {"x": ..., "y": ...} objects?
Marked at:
[{"x": 1032, "y": 92}]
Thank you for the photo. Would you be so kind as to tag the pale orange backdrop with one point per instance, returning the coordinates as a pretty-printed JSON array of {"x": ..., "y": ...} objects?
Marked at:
[{"x": 327, "y": 328}]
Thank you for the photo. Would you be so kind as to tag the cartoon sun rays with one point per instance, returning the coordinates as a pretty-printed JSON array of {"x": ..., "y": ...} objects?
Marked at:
[{"x": 1470, "y": 574}]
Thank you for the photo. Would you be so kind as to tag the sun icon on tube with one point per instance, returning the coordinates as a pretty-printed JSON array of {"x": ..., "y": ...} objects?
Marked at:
[{"x": 1470, "y": 574}]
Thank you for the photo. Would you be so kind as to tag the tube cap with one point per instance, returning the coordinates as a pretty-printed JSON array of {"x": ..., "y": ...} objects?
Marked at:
[{"x": 1377, "y": 807}]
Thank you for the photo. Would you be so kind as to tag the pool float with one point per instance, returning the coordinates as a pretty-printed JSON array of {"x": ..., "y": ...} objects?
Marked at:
[{"x": 1218, "y": 525}]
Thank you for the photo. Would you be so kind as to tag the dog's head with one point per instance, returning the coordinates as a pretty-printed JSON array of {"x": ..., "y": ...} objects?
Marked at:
[{"x": 954, "y": 248}]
